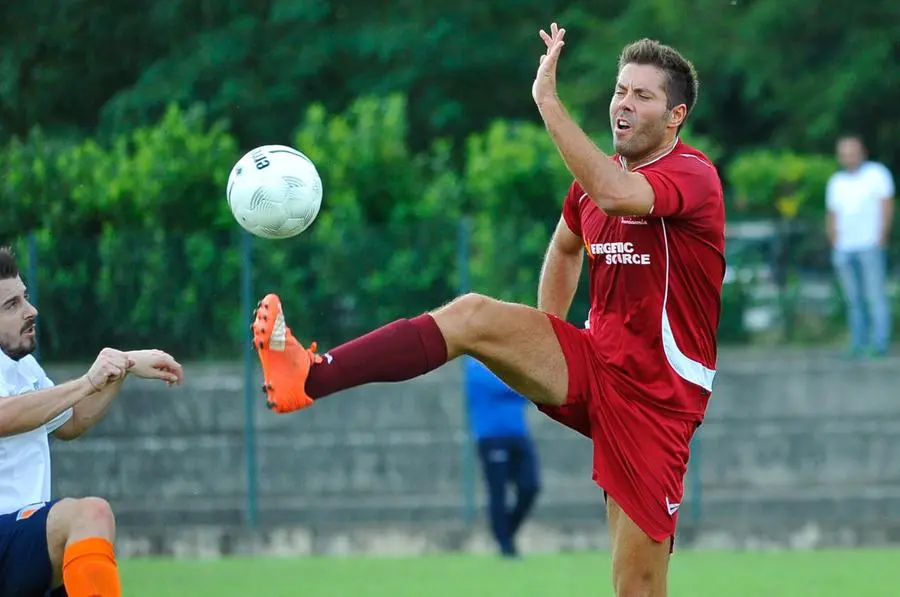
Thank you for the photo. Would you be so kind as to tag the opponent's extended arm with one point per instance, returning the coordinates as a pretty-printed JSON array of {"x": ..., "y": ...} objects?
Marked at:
[
  {"x": 147, "y": 364},
  {"x": 561, "y": 271},
  {"x": 28, "y": 411},
  {"x": 25, "y": 412}
]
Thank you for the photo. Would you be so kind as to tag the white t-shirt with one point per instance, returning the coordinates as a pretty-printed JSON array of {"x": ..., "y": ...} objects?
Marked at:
[
  {"x": 855, "y": 199},
  {"x": 25, "y": 458}
]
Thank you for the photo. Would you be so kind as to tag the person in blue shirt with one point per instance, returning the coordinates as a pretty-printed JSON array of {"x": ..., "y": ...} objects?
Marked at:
[{"x": 507, "y": 454}]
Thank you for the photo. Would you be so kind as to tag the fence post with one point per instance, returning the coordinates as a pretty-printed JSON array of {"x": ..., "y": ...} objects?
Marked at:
[
  {"x": 251, "y": 514},
  {"x": 467, "y": 455},
  {"x": 32, "y": 276}
]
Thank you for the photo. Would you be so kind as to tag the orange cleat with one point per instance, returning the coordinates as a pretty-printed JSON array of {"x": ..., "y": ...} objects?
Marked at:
[{"x": 285, "y": 362}]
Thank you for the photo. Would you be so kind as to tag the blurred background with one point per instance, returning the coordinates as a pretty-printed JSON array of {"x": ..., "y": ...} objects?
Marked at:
[{"x": 119, "y": 123}]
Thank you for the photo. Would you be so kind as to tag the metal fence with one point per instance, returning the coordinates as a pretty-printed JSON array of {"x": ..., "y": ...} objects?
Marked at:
[
  {"x": 160, "y": 288},
  {"x": 192, "y": 294}
]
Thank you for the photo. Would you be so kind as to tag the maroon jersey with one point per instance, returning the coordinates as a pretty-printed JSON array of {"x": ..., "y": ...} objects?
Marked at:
[{"x": 656, "y": 283}]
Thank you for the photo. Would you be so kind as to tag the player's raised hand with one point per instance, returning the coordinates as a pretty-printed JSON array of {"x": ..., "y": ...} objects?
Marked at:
[
  {"x": 110, "y": 365},
  {"x": 155, "y": 364},
  {"x": 544, "y": 87}
]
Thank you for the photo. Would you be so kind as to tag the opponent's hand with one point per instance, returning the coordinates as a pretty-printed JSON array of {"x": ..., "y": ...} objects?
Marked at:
[
  {"x": 155, "y": 364},
  {"x": 111, "y": 365},
  {"x": 544, "y": 87}
]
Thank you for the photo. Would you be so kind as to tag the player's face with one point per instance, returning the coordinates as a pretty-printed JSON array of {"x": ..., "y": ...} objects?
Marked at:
[
  {"x": 638, "y": 113},
  {"x": 850, "y": 153},
  {"x": 17, "y": 319}
]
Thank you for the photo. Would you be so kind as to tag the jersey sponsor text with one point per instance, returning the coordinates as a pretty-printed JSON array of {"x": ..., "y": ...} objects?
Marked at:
[{"x": 616, "y": 253}]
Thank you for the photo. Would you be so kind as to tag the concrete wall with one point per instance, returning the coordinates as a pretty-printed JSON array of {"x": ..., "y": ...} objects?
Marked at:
[{"x": 799, "y": 448}]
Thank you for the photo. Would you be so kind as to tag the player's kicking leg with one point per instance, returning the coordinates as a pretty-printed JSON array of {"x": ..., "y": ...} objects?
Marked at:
[{"x": 516, "y": 342}]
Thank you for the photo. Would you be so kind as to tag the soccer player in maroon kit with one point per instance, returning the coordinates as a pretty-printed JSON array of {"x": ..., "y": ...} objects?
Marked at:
[{"x": 637, "y": 380}]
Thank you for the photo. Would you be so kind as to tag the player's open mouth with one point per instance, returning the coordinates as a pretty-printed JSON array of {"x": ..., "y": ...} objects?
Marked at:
[
  {"x": 622, "y": 125},
  {"x": 28, "y": 331}
]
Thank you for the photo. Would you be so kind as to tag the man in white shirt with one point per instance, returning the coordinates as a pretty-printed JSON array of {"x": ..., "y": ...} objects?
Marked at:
[
  {"x": 860, "y": 202},
  {"x": 62, "y": 547}
]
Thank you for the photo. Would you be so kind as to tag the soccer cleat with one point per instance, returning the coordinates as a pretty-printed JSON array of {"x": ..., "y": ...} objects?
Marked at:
[{"x": 285, "y": 362}]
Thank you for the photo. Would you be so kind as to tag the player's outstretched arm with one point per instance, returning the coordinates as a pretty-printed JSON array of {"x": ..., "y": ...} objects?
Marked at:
[
  {"x": 617, "y": 192},
  {"x": 147, "y": 364},
  {"x": 23, "y": 413},
  {"x": 561, "y": 270}
]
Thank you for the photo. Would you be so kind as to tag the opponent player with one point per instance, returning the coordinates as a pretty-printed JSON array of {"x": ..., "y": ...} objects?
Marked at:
[
  {"x": 67, "y": 545},
  {"x": 637, "y": 380}
]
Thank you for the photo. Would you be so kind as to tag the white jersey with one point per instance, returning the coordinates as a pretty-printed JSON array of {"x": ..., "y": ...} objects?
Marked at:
[
  {"x": 855, "y": 199},
  {"x": 25, "y": 458}
]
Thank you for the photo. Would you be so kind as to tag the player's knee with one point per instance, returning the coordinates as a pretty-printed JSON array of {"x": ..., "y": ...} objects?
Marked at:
[
  {"x": 90, "y": 515},
  {"x": 474, "y": 314},
  {"x": 98, "y": 513},
  {"x": 638, "y": 582}
]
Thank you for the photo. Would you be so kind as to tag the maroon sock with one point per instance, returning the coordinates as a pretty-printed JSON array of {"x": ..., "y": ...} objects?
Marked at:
[{"x": 401, "y": 350}]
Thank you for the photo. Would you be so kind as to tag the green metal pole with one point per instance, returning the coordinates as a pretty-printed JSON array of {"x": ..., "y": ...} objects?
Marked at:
[{"x": 252, "y": 506}]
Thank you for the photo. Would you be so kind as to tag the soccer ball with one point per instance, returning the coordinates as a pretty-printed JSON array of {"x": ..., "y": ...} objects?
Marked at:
[{"x": 274, "y": 192}]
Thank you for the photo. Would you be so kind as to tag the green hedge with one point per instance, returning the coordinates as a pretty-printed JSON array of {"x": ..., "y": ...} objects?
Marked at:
[
  {"x": 135, "y": 244},
  {"x": 781, "y": 184}
]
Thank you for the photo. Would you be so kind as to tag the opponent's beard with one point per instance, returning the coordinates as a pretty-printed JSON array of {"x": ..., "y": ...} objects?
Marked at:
[{"x": 18, "y": 350}]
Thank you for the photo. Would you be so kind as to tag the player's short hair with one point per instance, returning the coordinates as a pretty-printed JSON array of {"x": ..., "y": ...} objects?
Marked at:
[
  {"x": 682, "y": 83},
  {"x": 8, "y": 267},
  {"x": 852, "y": 136}
]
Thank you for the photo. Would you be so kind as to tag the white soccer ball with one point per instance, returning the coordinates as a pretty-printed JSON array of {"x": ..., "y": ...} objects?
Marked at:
[{"x": 274, "y": 192}]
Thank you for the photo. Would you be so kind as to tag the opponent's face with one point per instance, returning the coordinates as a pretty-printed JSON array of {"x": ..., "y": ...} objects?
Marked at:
[
  {"x": 17, "y": 319},
  {"x": 850, "y": 153},
  {"x": 638, "y": 114}
]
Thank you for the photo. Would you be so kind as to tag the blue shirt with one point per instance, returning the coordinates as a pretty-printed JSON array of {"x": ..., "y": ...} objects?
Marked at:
[{"x": 495, "y": 409}]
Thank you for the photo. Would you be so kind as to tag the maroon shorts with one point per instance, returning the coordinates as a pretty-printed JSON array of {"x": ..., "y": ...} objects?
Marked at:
[{"x": 640, "y": 455}]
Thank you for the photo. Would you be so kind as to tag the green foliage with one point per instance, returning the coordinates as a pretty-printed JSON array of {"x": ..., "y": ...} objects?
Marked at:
[
  {"x": 780, "y": 183},
  {"x": 709, "y": 146},
  {"x": 261, "y": 64},
  {"x": 31, "y": 185},
  {"x": 515, "y": 180},
  {"x": 144, "y": 179}
]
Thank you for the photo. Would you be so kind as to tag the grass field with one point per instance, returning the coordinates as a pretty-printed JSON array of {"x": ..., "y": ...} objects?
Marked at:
[{"x": 860, "y": 573}]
